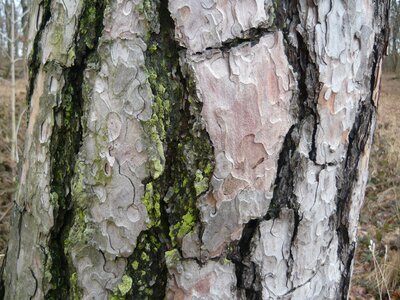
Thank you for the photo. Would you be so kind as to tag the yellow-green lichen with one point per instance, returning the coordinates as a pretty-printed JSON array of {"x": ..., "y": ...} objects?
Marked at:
[
  {"x": 200, "y": 183},
  {"x": 57, "y": 38},
  {"x": 172, "y": 258},
  {"x": 125, "y": 286},
  {"x": 78, "y": 233},
  {"x": 135, "y": 265},
  {"x": 145, "y": 257},
  {"x": 156, "y": 168},
  {"x": 183, "y": 227},
  {"x": 71, "y": 55},
  {"x": 122, "y": 289},
  {"x": 78, "y": 185},
  {"x": 48, "y": 272},
  {"x": 151, "y": 200},
  {"x": 149, "y": 9},
  {"x": 76, "y": 292},
  {"x": 54, "y": 199},
  {"x": 153, "y": 48}
]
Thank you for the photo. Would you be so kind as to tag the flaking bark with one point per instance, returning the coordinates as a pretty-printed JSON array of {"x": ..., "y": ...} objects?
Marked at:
[{"x": 187, "y": 148}]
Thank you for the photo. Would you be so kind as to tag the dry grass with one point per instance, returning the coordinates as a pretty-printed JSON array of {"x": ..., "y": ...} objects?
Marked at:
[{"x": 380, "y": 216}]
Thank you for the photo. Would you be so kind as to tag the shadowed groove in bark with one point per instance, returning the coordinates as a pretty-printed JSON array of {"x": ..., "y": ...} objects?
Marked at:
[
  {"x": 303, "y": 107},
  {"x": 176, "y": 122},
  {"x": 35, "y": 56},
  {"x": 358, "y": 138},
  {"x": 65, "y": 143},
  {"x": 252, "y": 36},
  {"x": 246, "y": 274}
]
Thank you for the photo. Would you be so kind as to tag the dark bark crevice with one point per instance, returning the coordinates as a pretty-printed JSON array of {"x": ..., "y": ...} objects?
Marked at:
[
  {"x": 247, "y": 276},
  {"x": 358, "y": 139},
  {"x": 36, "y": 52},
  {"x": 65, "y": 144},
  {"x": 36, "y": 282},
  {"x": 187, "y": 158},
  {"x": 304, "y": 109},
  {"x": 251, "y": 36}
]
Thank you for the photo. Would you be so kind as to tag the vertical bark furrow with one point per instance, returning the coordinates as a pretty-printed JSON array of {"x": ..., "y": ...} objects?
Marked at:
[
  {"x": 248, "y": 278},
  {"x": 187, "y": 163},
  {"x": 346, "y": 181},
  {"x": 50, "y": 107},
  {"x": 290, "y": 159},
  {"x": 38, "y": 21},
  {"x": 65, "y": 144},
  {"x": 354, "y": 167}
]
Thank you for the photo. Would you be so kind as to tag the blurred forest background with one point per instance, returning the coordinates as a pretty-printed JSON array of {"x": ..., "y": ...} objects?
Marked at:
[{"x": 377, "y": 266}]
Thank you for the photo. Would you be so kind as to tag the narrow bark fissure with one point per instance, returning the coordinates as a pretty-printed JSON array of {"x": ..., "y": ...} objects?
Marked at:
[
  {"x": 65, "y": 144},
  {"x": 358, "y": 138},
  {"x": 304, "y": 109},
  {"x": 309, "y": 88},
  {"x": 290, "y": 160},
  {"x": 247, "y": 277},
  {"x": 186, "y": 159},
  {"x": 35, "y": 56},
  {"x": 36, "y": 282},
  {"x": 251, "y": 36}
]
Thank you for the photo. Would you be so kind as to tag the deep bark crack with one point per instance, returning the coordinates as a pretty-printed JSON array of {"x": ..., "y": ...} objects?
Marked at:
[
  {"x": 35, "y": 56},
  {"x": 251, "y": 36},
  {"x": 304, "y": 107},
  {"x": 358, "y": 138},
  {"x": 186, "y": 150},
  {"x": 65, "y": 144}
]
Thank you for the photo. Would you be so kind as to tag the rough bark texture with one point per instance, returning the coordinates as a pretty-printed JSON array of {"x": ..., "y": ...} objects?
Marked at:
[{"x": 195, "y": 149}]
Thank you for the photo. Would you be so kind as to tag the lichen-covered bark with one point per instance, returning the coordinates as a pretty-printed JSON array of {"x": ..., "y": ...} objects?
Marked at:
[{"x": 195, "y": 149}]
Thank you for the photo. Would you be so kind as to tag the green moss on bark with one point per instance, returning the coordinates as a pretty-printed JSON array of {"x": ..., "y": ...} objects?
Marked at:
[
  {"x": 68, "y": 197},
  {"x": 181, "y": 157}
]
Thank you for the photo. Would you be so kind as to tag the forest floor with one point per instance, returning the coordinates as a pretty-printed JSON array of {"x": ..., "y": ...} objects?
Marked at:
[{"x": 375, "y": 272}]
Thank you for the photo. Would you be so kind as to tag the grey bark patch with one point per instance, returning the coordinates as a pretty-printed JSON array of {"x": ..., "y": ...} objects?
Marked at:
[
  {"x": 208, "y": 24},
  {"x": 246, "y": 125}
]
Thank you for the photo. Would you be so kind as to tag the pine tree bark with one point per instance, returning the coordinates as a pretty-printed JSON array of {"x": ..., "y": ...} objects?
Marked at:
[{"x": 195, "y": 149}]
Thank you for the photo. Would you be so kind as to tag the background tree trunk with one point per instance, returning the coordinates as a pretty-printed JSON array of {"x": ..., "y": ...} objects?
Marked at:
[
  {"x": 24, "y": 25},
  {"x": 213, "y": 149},
  {"x": 25, "y": 5},
  {"x": 9, "y": 26}
]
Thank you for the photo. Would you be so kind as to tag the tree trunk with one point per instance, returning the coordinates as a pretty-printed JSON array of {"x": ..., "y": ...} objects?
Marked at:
[
  {"x": 13, "y": 90},
  {"x": 195, "y": 149},
  {"x": 24, "y": 25},
  {"x": 395, "y": 24},
  {"x": 9, "y": 26}
]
